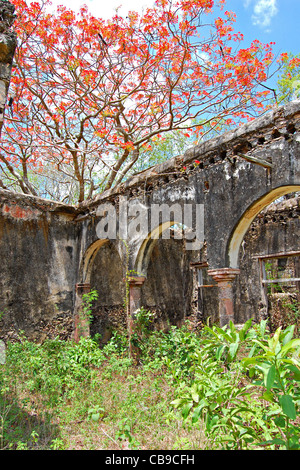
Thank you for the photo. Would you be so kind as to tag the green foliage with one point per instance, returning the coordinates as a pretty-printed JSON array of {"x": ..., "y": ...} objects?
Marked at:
[
  {"x": 232, "y": 388},
  {"x": 289, "y": 79},
  {"x": 54, "y": 367},
  {"x": 228, "y": 392},
  {"x": 87, "y": 301},
  {"x": 277, "y": 368}
]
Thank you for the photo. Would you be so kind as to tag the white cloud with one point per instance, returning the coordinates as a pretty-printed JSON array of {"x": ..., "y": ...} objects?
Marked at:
[{"x": 263, "y": 12}]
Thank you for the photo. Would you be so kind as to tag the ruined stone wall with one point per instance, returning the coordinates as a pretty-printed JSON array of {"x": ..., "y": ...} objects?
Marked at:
[
  {"x": 47, "y": 248},
  {"x": 38, "y": 267},
  {"x": 107, "y": 277}
]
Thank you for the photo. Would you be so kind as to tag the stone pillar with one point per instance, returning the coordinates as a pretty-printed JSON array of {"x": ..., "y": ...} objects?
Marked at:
[
  {"x": 224, "y": 278},
  {"x": 135, "y": 284},
  {"x": 82, "y": 326},
  {"x": 134, "y": 303}
]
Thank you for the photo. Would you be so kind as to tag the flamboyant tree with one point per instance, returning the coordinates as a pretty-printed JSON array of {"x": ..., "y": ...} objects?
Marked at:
[{"x": 89, "y": 96}]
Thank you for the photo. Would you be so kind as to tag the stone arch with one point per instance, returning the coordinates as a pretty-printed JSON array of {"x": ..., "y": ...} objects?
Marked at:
[
  {"x": 101, "y": 268},
  {"x": 275, "y": 231},
  {"x": 168, "y": 287},
  {"x": 146, "y": 248},
  {"x": 248, "y": 217},
  {"x": 88, "y": 259}
]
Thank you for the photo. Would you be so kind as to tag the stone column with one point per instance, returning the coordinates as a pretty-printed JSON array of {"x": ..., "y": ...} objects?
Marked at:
[
  {"x": 82, "y": 326},
  {"x": 224, "y": 278},
  {"x": 135, "y": 284},
  {"x": 134, "y": 303}
]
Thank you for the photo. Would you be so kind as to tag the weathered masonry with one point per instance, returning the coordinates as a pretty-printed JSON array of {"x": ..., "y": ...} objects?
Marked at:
[{"x": 51, "y": 252}]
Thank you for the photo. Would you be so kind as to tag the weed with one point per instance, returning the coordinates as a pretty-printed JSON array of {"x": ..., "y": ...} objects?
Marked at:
[{"x": 189, "y": 391}]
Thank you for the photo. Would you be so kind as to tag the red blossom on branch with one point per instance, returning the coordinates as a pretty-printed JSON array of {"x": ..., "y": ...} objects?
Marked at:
[{"x": 91, "y": 95}]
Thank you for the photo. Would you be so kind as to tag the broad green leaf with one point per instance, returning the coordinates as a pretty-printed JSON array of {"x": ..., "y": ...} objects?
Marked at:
[
  {"x": 268, "y": 396},
  {"x": 274, "y": 342},
  {"x": 197, "y": 411},
  {"x": 293, "y": 344},
  {"x": 244, "y": 330},
  {"x": 270, "y": 377},
  {"x": 233, "y": 350},
  {"x": 288, "y": 406},
  {"x": 263, "y": 346},
  {"x": 195, "y": 395},
  {"x": 219, "y": 352},
  {"x": 178, "y": 402},
  {"x": 262, "y": 327},
  {"x": 287, "y": 334},
  {"x": 280, "y": 421},
  {"x": 211, "y": 421},
  {"x": 276, "y": 441},
  {"x": 186, "y": 409},
  {"x": 232, "y": 327},
  {"x": 296, "y": 372}
]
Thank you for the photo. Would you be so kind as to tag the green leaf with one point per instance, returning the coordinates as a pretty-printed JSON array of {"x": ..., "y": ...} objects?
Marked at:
[
  {"x": 244, "y": 330},
  {"x": 198, "y": 411},
  {"x": 268, "y": 396},
  {"x": 186, "y": 410},
  {"x": 274, "y": 342},
  {"x": 288, "y": 406},
  {"x": 95, "y": 416},
  {"x": 293, "y": 344},
  {"x": 211, "y": 421},
  {"x": 296, "y": 372},
  {"x": 233, "y": 350},
  {"x": 270, "y": 377},
  {"x": 262, "y": 327},
  {"x": 287, "y": 334},
  {"x": 280, "y": 422},
  {"x": 219, "y": 352},
  {"x": 177, "y": 403},
  {"x": 275, "y": 441},
  {"x": 195, "y": 395}
]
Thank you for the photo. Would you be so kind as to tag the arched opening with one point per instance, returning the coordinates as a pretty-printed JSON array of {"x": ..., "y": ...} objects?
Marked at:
[
  {"x": 102, "y": 270},
  {"x": 166, "y": 264},
  {"x": 249, "y": 215},
  {"x": 107, "y": 278},
  {"x": 269, "y": 261},
  {"x": 144, "y": 254},
  {"x": 88, "y": 259}
]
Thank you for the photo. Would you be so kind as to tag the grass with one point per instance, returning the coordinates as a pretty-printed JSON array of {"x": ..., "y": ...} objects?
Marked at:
[{"x": 65, "y": 396}]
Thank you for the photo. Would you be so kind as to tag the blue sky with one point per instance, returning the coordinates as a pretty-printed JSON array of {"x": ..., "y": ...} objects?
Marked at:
[{"x": 269, "y": 20}]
